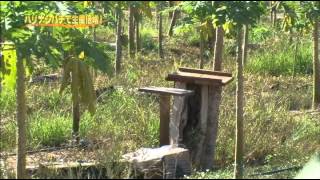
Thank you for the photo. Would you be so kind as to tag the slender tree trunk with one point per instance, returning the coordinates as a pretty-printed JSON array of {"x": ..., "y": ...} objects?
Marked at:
[
  {"x": 170, "y": 12},
  {"x": 211, "y": 37},
  {"x": 131, "y": 32},
  {"x": 274, "y": 10},
  {"x": 295, "y": 56},
  {"x": 271, "y": 12},
  {"x": 217, "y": 64},
  {"x": 316, "y": 73},
  {"x": 245, "y": 45},
  {"x": 238, "y": 170},
  {"x": 76, "y": 120},
  {"x": 93, "y": 71},
  {"x": 75, "y": 101},
  {"x": 118, "y": 42},
  {"x": 173, "y": 22},
  {"x": 94, "y": 34},
  {"x": 290, "y": 36},
  {"x": 201, "y": 49},
  {"x": 138, "y": 41},
  {"x": 21, "y": 120},
  {"x": 160, "y": 37}
]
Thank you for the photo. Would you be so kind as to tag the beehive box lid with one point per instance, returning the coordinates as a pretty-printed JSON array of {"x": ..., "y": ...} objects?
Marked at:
[
  {"x": 200, "y": 76},
  {"x": 166, "y": 91}
]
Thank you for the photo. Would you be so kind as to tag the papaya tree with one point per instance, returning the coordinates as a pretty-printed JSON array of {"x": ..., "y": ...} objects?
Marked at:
[
  {"x": 311, "y": 12},
  {"x": 43, "y": 44},
  {"x": 131, "y": 30},
  {"x": 241, "y": 13},
  {"x": 119, "y": 16},
  {"x": 80, "y": 52},
  {"x": 305, "y": 17},
  {"x": 175, "y": 16},
  {"x": 294, "y": 24},
  {"x": 200, "y": 13},
  {"x": 25, "y": 41},
  {"x": 137, "y": 9},
  {"x": 160, "y": 6}
]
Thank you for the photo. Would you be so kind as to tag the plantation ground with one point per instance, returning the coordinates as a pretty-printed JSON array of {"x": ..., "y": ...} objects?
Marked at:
[{"x": 280, "y": 131}]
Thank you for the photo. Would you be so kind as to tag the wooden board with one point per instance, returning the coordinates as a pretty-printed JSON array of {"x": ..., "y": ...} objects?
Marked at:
[
  {"x": 202, "y": 71},
  {"x": 164, "y": 119},
  {"x": 197, "y": 78},
  {"x": 178, "y": 117},
  {"x": 167, "y": 91}
]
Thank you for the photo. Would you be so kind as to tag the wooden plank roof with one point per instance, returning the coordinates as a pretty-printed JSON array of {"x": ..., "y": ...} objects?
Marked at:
[
  {"x": 200, "y": 76},
  {"x": 166, "y": 91}
]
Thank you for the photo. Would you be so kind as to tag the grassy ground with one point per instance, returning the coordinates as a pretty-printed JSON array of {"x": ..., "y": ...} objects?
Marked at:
[{"x": 279, "y": 129}]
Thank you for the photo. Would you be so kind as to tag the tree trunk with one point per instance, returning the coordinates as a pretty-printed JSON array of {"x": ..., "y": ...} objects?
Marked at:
[
  {"x": 160, "y": 38},
  {"x": 211, "y": 37},
  {"x": 131, "y": 32},
  {"x": 217, "y": 64},
  {"x": 75, "y": 101},
  {"x": 295, "y": 56},
  {"x": 271, "y": 11},
  {"x": 274, "y": 10},
  {"x": 138, "y": 41},
  {"x": 238, "y": 170},
  {"x": 290, "y": 36},
  {"x": 21, "y": 120},
  {"x": 76, "y": 120},
  {"x": 171, "y": 4},
  {"x": 118, "y": 42},
  {"x": 201, "y": 49},
  {"x": 94, "y": 34},
  {"x": 316, "y": 78},
  {"x": 173, "y": 22},
  {"x": 245, "y": 45}
]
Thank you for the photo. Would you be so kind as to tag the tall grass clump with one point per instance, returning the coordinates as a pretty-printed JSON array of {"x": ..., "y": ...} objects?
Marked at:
[{"x": 281, "y": 58}]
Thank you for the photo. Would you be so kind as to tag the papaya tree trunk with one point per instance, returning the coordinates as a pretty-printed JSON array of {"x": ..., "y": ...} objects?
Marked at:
[
  {"x": 274, "y": 10},
  {"x": 271, "y": 11},
  {"x": 76, "y": 120},
  {"x": 245, "y": 44},
  {"x": 316, "y": 78},
  {"x": 138, "y": 41},
  {"x": 238, "y": 170},
  {"x": 131, "y": 32},
  {"x": 21, "y": 120},
  {"x": 160, "y": 37},
  {"x": 173, "y": 22},
  {"x": 211, "y": 37},
  {"x": 295, "y": 56},
  {"x": 75, "y": 81},
  {"x": 171, "y": 4},
  {"x": 201, "y": 49},
  {"x": 94, "y": 34},
  {"x": 118, "y": 42},
  {"x": 217, "y": 63}
]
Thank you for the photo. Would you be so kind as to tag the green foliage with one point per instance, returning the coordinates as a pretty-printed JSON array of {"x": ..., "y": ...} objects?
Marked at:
[
  {"x": 8, "y": 59},
  {"x": 299, "y": 16},
  {"x": 260, "y": 34},
  {"x": 76, "y": 71},
  {"x": 148, "y": 42}
]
